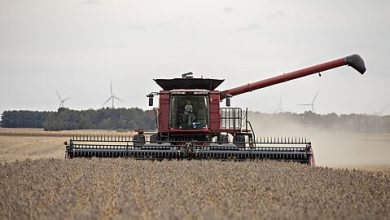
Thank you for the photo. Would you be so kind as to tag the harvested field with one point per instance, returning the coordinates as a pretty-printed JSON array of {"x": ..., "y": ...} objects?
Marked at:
[
  {"x": 121, "y": 188},
  {"x": 30, "y": 143},
  {"x": 125, "y": 188}
]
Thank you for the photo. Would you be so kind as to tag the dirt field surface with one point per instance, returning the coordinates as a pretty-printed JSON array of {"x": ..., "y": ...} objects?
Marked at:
[
  {"x": 35, "y": 187},
  {"x": 125, "y": 188},
  {"x": 21, "y": 144}
]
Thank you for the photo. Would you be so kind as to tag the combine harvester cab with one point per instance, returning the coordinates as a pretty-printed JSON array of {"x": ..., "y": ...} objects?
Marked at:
[{"x": 192, "y": 125}]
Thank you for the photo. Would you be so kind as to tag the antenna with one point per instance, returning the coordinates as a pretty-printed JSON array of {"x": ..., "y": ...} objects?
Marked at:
[
  {"x": 312, "y": 102},
  {"x": 112, "y": 97},
  {"x": 62, "y": 101}
]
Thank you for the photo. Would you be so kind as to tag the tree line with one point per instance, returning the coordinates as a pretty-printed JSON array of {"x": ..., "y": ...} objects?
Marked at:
[
  {"x": 67, "y": 119},
  {"x": 23, "y": 119},
  {"x": 135, "y": 118}
]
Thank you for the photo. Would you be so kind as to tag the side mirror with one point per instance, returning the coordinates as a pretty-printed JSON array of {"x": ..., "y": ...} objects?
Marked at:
[
  {"x": 228, "y": 97},
  {"x": 150, "y": 96}
]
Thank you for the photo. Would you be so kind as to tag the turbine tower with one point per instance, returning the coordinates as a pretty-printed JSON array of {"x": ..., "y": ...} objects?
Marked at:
[
  {"x": 312, "y": 103},
  {"x": 62, "y": 101},
  {"x": 112, "y": 98},
  {"x": 279, "y": 109},
  {"x": 380, "y": 113}
]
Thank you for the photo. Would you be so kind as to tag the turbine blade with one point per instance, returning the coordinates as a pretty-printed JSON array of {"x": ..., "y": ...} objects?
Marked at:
[
  {"x": 66, "y": 99},
  {"x": 107, "y": 100},
  {"x": 115, "y": 97},
  {"x": 315, "y": 97},
  {"x": 111, "y": 88},
  {"x": 58, "y": 95},
  {"x": 383, "y": 109}
]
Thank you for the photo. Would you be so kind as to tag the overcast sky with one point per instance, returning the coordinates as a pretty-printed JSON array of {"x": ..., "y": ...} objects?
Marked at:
[{"x": 77, "y": 47}]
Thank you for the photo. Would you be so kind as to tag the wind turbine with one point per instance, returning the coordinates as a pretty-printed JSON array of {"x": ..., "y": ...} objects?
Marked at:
[
  {"x": 380, "y": 113},
  {"x": 112, "y": 97},
  {"x": 312, "y": 103},
  {"x": 62, "y": 101},
  {"x": 279, "y": 109}
]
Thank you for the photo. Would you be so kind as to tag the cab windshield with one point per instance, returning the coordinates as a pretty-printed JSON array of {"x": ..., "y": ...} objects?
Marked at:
[{"x": 189, "y": 112}]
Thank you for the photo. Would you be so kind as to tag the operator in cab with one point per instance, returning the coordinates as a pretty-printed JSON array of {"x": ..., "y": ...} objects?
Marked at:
[{"x": 188, "y": 116}]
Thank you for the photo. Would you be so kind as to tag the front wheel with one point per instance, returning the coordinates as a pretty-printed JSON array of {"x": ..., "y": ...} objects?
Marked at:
[{"x": 239, "y": 140}]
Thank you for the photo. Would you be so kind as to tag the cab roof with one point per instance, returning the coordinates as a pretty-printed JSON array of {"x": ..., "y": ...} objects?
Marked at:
[{"x": 188, "y": 83}]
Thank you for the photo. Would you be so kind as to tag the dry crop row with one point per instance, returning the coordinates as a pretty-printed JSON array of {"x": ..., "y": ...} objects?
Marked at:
[{"x": 123, "y": 188}]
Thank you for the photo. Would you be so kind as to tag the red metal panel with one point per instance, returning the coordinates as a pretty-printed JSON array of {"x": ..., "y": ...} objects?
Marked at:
[
  {"x": 215, "y": 117},
  {"x": 197, "y": 131},
  {"x": 229, "y": 130},
  {"x": 164, "y": 112}
]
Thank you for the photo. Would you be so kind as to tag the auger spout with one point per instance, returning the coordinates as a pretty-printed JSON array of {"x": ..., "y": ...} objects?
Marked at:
[{"x": 355, "y": 61}]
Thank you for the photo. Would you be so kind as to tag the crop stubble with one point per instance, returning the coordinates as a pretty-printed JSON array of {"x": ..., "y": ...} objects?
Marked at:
[{"x": 123, "y": 188}]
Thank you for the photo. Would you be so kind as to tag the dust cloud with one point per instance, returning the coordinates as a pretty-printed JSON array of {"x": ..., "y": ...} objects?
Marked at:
[{"x": 332, "y": 148}]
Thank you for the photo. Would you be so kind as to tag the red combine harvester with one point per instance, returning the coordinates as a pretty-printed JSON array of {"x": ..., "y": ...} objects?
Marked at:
[{"x": 192, "y": 125}]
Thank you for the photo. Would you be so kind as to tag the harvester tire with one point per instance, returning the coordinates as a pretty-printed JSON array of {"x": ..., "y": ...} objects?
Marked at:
[
  {"x": 154, "y": 138},
  {"x": 139, "y": 140},
  {"x": 239, "y": 140},
  {"x": 222, "y": 139}
]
